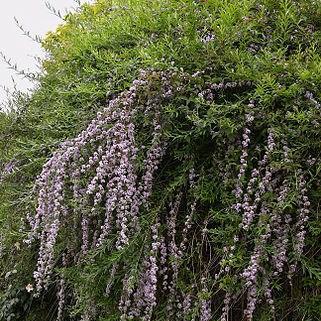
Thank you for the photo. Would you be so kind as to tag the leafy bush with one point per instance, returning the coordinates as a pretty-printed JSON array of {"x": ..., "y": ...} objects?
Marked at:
[{"x": 167, "y": 167}]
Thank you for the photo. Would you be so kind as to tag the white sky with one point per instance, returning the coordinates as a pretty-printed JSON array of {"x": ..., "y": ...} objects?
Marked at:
[{"x": 35, "y": 17}]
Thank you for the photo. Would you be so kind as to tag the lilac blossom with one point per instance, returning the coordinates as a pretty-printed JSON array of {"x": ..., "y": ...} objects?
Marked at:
[
  {"x": 163, "y": 271},
  {"x": 208, "y": 38},
  {"x": 173, "y": 252},
  {"x": 300, "y": 226},
  {"x": 205, "y": 308},
  {"x": 250, "y": 210},
  {"x": 210, "y": 93},
  {"x": 61, "y": 294},
  {"x": 115, "y": 179},
  {"x": 251, "y": 273},
  {"x": 61, "y": 299},
  {"x": 238, "y": 192},
  {"x": 226, "y": 307},
  {"x": 281, "y": 230},
  {"x": 268, "y": 294},
  {"x": 125, "y": 300},
  {"x": 188, "y": 218},
  {"x": 85, "y": 235},
  {"x": 145, "y": 295},
  {"x": 309, "y": 95},
  {"x": 186, "y": 305}
]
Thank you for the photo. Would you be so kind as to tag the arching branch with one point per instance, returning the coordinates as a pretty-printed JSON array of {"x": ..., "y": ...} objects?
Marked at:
[
  {"x": 13, "y": 66},
  {"x": 35, "y": 38}
]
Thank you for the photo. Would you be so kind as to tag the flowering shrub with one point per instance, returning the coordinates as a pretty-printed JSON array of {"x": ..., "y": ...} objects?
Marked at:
[{"x": 167, "y": 170}]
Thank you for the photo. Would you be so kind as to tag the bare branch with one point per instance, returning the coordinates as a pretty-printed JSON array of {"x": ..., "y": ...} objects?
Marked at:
[
  {"x": 35, "y": 38},
  {"x": 54, "y": 11},
  {"x": 13, "y": 66}
]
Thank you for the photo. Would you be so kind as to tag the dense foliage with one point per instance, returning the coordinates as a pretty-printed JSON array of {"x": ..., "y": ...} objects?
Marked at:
[{"x": 167, "y": 166}]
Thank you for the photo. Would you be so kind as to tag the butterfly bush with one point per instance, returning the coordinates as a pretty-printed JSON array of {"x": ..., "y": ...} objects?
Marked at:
[
  {"x": 104, "y": 181},
  {"x": 274, "y": 226},
  {"x": 114, "y": 179}
]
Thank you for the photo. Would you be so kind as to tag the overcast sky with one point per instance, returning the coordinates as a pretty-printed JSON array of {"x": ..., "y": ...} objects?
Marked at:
[{"x": 36, "y": 18}]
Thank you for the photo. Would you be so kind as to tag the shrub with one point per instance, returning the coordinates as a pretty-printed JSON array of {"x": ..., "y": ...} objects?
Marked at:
[{"x": 167, "y": 167}]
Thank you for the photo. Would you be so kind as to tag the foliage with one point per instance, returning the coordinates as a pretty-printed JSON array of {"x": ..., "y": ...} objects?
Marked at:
[{"x": 246, "y": 86}]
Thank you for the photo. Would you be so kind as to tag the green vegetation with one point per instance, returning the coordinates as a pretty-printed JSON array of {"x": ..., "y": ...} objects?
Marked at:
[{"x": 225, "y": 61}]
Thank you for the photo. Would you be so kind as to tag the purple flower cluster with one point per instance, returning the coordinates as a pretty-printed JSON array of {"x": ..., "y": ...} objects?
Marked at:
[
  {"x": 271, "y": 220},
  {"x": 101, "y": 169},
  {"x": 144, "y": 298},
  {"x": 274, "y": 225},
  {"x": 112, "y": 274},
  {"x": 309, "y": 95},
  {"x": 61, "y": 299},
  {"x": 208, "y": 38},
  {"x": 250, "y": 274},
  {"x": 189, "y": 217},
  {"x": 250, "y": 209},
  {"x": 186, "y": 306},
  {"x": 8, "y": 169},
  {"x": 226, "y": 307},
  {"x": 303, "y": 215},
  {"x": 85, "y": 235},
  {"x": 238, "y": 192},
  {"x": 205, "y": 308},
  {"x": 125, "y": 300},
  {"x": 209, "y": 93},
  {"x": 280, "y": 228},
  {"x": 300, "y": 226},
  {"x": 61, "y": 294},
  {"x": 99, "y": 166},
  {"x": 173, "y": 252},
  {"x": 163, "y": 271},
  {"x": 268, "y": 295},
  {"x": 241, "y": 199}
]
